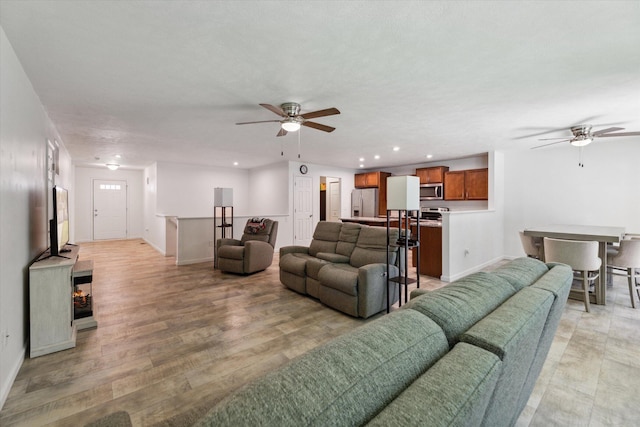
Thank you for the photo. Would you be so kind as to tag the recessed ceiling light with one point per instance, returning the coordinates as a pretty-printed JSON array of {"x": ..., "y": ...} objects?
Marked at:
[
  {"x": 361, "y": 159},
  {"x": 113, "y": 166},
  {"x": 396, "y": 148},
  {"x": 235, "y": 163},
  {"x": 377, "y": 156},
  {"x": 429, "y": 156},
  {"x": 361, "y": 165},
  {"x": 118, "y": 156}
]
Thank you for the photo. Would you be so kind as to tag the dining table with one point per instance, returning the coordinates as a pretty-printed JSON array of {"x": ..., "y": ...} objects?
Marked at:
[{"x": 604, "y": 235}]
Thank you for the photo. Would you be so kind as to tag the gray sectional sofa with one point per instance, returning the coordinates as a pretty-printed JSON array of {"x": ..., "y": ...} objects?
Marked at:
[
  {"x": 344, "y": 267},
  {"x": 467, "y": 354}
]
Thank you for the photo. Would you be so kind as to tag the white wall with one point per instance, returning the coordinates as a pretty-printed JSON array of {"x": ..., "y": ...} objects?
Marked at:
[
  {"x": 82, "y": 220},
  {"x": 546, "y": 186},
  {"x": 24, "y": 131}
]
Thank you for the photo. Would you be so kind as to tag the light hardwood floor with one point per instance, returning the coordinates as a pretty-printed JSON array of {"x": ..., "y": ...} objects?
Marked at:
[{"x": 174, "y": 340}]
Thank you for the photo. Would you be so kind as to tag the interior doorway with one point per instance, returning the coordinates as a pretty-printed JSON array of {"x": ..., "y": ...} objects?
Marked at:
[
  {"x": 330, "y": 206},
  {"x": 109, "y": 209}
]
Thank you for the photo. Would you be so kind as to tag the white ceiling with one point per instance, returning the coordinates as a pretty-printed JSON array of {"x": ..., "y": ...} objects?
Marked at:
[{"x": 167, "y": 81}]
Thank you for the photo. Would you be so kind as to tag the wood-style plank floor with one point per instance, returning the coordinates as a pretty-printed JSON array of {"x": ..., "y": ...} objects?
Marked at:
[{"x": 172, "y": 341}]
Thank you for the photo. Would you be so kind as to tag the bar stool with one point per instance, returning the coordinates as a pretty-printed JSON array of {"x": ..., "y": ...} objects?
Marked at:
[
  {"x": 581, "y": 256},
  {"x": 627, "y": 259}
]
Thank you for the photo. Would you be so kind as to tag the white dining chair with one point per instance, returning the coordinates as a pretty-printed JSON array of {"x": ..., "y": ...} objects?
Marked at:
[
  {"x": 627, "y": 258},
  {"x": 581, "y": 256},
  {"x": 532, "y": 245}
]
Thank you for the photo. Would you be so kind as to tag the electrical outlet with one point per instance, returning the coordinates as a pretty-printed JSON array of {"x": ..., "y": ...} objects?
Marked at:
[{"x": 466, "y": 252}]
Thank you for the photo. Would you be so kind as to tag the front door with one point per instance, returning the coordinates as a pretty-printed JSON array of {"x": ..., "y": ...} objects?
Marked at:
[
  {"x": 109, "y": 209},
  {"x": 302, "y": 210}
]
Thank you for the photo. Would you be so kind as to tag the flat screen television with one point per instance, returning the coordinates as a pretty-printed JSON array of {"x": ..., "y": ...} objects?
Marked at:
[{"x": 59, "y": 223}]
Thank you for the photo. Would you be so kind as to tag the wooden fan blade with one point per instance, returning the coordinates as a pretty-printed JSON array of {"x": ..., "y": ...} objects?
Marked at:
[
  {"x": 320, "y": 113},
  {"x": 282, "y": 132},
  {"x": 552, "y": 143},
  {"x": 274, "y": 109},
  {"x": 261, "y": 121},
  {"x": 619, "y": 134},
  {"x": 607, "y": 130},
  {"x": 318, "y": 126}
]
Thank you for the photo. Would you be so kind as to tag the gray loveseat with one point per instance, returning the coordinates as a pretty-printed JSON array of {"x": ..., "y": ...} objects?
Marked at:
[
  {"x": 344, "y": 267},
  {"x": 466, "y": 354}
]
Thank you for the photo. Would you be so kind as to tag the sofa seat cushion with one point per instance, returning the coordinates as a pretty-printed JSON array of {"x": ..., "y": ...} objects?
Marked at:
[
  {"x": 522, "y": 272},
  {"x": 341, "y": 277},
  {"x": 459, "y": 305},
  {"x": 344, "y": 382},
  {"x": 295, "y": 263},
  {"x": 231, "y": 252},
  {"x": 457, "y": 388}
]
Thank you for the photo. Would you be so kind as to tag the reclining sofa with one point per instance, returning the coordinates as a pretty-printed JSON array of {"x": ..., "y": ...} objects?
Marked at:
[
  {"x": 466, "y": 354},
  {"x": 344, "y": 267},
  {"x": 253, "y": 252}
]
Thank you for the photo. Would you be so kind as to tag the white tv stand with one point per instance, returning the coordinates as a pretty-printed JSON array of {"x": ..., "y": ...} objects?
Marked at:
[{"x": 51, "y": 319}]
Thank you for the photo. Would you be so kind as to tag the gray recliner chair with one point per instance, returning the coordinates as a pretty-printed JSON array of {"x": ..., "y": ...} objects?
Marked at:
[{"x": 253, "y": 252}]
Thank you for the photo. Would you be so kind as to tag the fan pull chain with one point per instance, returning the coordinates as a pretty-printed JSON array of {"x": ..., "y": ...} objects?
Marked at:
[
  {"x": 299, "y": 132},
  {"x": 580, "y": 162},
  {"x": 281, "y": 149}
]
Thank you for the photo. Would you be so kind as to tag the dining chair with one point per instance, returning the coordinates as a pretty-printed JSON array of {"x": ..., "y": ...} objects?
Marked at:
[
  {"x": 580, "y": 255},
  {"x": 627, "y": 258},
  {"x": 532, "y": 245}
]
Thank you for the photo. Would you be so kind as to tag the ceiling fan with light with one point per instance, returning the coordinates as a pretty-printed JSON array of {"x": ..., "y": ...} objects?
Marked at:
[
  {"x": 292, "y": 119},
  {"x": 582, "y": 135}
]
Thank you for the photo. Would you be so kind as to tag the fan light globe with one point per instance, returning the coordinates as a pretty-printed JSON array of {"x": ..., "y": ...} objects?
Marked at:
[
  {"x": 291, "y": 126},
  {"x": 581, "y": 141}
]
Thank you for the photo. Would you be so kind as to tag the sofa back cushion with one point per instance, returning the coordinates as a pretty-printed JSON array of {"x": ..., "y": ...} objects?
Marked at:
[
  {"x": 325, "y": 237},
  {"x": 344, "y": 382},
  {"x": 371, "y": 247},
  {"x": 260, "y": 229},
  {"x": 522, "y": 272},
  {"x": 348, "y": 238},
  {"x": 461, "y": 304}
]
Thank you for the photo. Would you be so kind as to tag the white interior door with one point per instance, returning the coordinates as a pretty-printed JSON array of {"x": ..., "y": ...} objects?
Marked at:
[
  {"x": 302, "y": 210},
  {"x": 109, "y": 209},
  {"x": 334, "y": 201}
]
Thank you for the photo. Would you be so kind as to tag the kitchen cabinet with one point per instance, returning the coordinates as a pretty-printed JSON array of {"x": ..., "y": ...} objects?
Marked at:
[
  {"x": 470, "y": 184},
  {"x": 371, "y": 180},
  {"x": 430, "y": 252},
  {"x": 375, "y": 180},
  {"x": 433, "y": 175}
]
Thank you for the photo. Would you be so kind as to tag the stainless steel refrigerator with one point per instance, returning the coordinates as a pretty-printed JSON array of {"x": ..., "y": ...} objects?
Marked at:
[{"x": 364, "y": 202}]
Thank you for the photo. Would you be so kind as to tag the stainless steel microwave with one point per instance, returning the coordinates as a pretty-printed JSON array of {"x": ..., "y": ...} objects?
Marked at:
[{"x": 431, "y": 192}]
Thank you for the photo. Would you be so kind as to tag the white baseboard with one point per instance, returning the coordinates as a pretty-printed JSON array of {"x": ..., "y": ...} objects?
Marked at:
[
  {"x": 470, "y": 270},
  {"x": 155, "y": 247},
  {"x": 13, "y": 373},
  {"x": 194, "y": 261}
]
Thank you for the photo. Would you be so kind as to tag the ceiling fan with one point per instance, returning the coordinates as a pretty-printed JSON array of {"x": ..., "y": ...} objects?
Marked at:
[
  {"x": 582, "y": 135},
  {"x": 292, "y": 119}
]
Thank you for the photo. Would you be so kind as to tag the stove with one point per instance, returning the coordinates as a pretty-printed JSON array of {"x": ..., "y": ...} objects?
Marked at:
[{"x": 434, "y": 214}]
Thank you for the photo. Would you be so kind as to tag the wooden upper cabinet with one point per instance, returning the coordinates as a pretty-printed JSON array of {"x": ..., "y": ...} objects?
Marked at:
[
  {"x": 470, "y": 184},
  {"x": 371, "y": 179},
  {"x": 476, "y": 182},
  {"x": 360, "y": 180},
  {"x": 454, "y": 185},
  {"x": 434, "y": 175}
]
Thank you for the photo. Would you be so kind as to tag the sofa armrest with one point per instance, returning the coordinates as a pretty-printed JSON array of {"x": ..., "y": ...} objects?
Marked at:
[
  {"x": 228, "y": 242},
  {"x": 284, "y": 250},
  {"x": 372, "y": 292},
  {"x": 257, "y": 255}
]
